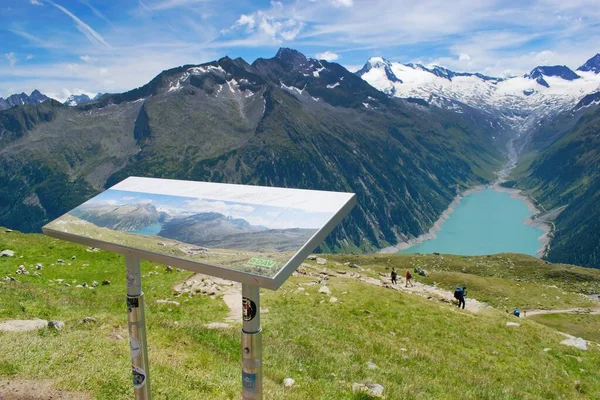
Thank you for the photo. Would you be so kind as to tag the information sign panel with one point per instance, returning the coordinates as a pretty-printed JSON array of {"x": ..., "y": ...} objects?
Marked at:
[{"x": 250, "y": 234}]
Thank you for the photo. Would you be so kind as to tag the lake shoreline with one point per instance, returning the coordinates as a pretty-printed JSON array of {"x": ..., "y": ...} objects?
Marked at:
[
  {"x": 533, "y": 221},
  {"x": 437, "y": 225}
]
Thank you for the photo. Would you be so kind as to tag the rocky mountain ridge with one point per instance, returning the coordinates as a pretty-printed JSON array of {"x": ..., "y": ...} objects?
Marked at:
[
  {"x": 520, "y": 103},
  {"x": 36, "y": 97},
  {"x": 288, "y": 121}
]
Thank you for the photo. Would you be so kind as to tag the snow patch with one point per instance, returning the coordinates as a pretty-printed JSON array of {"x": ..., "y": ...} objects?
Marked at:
[
  {"x": 334, "y": 85},
  {"x": 177, "y": 86},
  {"x": 292, "y": 88},
  {"x": 203, "y": 70}
]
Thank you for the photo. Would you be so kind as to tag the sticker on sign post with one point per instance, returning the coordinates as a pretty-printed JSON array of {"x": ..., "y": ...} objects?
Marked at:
[
  {"x": 248, "y": 309},
  {"x": 249, "y": 382},
  {"x": 135, "y": 348},
  {"x": 139, "y": 377},
  {"x": 132, "y": 302}
]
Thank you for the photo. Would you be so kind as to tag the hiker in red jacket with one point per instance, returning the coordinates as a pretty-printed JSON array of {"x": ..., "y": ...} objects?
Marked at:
[{"x": 408, "y": 279}]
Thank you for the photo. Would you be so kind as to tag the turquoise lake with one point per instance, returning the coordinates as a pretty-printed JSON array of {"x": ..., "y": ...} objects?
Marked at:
[
  {"x": 149, "y": 230},
  {"x": 485, "y": 222}
]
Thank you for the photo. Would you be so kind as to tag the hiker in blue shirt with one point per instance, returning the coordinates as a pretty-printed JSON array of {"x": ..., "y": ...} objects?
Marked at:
[{"x": 460, "y": 293}]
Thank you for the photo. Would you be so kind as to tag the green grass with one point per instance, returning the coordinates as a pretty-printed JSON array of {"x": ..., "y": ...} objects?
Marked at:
[
  {"x": 502, "y": 280},
  {"x": 424, "y": 349},
  {"x": 583, "y": 325}
]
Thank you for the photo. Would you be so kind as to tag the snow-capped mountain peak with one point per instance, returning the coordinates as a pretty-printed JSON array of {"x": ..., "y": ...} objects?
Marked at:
[
  {"x": 519, "y": 101},
  {"x": 591, "y": 65},
  {"x": 561, "y": 71},
  {"x": 76, "y": 99}
]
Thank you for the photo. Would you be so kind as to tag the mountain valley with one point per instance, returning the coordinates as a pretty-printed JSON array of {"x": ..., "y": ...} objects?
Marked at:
[{"x": 406, "y": 138}]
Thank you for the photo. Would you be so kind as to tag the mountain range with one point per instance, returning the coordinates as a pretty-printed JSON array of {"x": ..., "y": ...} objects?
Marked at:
[
  {"x": 20, "y": 99},
  {"x": 404, "y": 137},
  {"x": 208, "y": 229},
  {"x": 128, "y": 217},
  {"x": 77, "y": 99},
  {"x": 520, "y": 103},
  {"x": 286, "y": 121}
]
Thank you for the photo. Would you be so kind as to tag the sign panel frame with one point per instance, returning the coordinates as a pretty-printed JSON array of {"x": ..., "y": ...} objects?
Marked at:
[{"x": 273, "y": 283}]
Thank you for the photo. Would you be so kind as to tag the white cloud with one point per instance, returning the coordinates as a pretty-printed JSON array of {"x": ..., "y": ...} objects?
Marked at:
[
  {"x": 111, "y": 202},
  {"x": 342, "y": 3},
  {"x": 36, "y": 2},
  {"x": 86, "y": 58},
  {"x": 269, "y": 26},
  {"x": 11, "y": 58},
  {"x": 327, "y": 56},
  {"x": 234, "y": 210},
  {"x": 127, "y": 198},
  {"x": 30, "y": 57},
  {"x": 464, "y": 57},
  {"x": 246, "y": 20},
  {"x": 84, "y": 28}
]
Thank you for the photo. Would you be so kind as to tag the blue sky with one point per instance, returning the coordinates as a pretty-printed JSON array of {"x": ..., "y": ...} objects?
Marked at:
[{"x": 74, "y": 46}]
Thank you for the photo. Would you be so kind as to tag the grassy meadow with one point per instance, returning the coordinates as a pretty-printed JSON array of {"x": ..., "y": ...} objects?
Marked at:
[{"x": 423, "y": 348}]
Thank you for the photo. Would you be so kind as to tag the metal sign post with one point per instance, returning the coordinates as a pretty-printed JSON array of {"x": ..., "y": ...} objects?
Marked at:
[
  {"x": 136, "y": 317},
  {"x": 251, "y": 344}
]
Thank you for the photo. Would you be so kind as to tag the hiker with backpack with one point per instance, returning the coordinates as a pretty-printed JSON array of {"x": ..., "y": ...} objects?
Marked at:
[
  {"x": 460, "y": 293},
  {"x": 408, "y": 279},
  {"x": 394, "y": 276}
]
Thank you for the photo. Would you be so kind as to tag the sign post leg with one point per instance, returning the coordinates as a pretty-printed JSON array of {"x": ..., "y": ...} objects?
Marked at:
[
  {"x": 251, "y": 344},
  {"x": 137, "y": 330}
]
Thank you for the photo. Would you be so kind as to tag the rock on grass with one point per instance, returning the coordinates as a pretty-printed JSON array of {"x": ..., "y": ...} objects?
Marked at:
[{"x": 374, "y": 390}]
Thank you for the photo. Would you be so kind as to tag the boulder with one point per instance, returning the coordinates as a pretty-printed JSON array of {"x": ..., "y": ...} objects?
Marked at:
[
  {"x": 321, "y": 261},
  {"x": 312, "y": 258},
  {"x": 577, "y": 342},
  {"x": 87, "y": 320},
  {"x": 288, "y": 382},
  {"x": 333, "y": 300},
  {"x": 325, "y": 290},
  {"x": 105, "y": 282},
  {"x": 57, "y": 325},
  {"x": 22, "y": 325},
  {"x": 371, "y": 365},
  {"x": 7, "y": 253},
  {"x": 352, "y": 265},
  {"x": 509, "y": 323},
  {"x": 370, "y": 389},
  {"x": 95, "y": 283}
]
